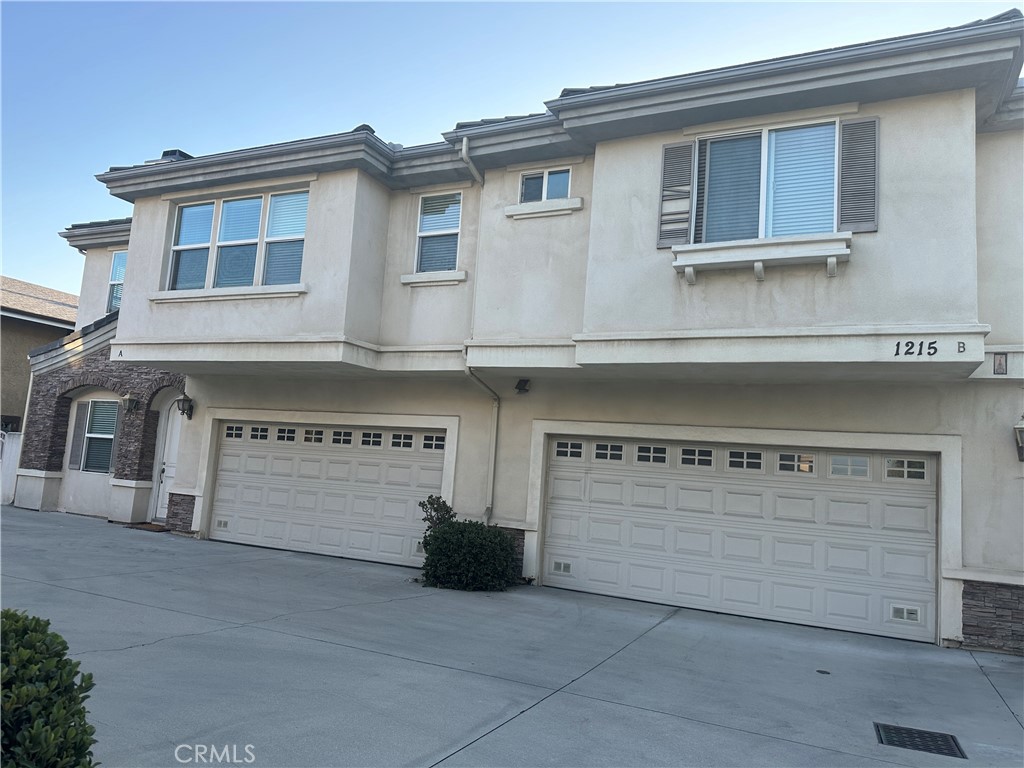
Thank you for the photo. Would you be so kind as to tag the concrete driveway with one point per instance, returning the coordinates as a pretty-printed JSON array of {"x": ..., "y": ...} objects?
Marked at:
[{"x": 283, "y": 659}]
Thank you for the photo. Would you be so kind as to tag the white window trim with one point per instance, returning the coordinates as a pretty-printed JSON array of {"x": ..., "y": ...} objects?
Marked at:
[
  {"x": 214, "y": 244},
  {"x": 864, "y": 478},
  {"x": 112, "y": 282},
  {"x": 563, "y": 206},
  {"x": 434, "y": 233},
  {"x": 97, "y": 436},
  {"x": 544, "y": 183}
]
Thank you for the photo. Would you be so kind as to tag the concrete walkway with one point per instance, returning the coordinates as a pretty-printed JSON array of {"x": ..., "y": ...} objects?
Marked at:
[{"x": 317, "y": 661}]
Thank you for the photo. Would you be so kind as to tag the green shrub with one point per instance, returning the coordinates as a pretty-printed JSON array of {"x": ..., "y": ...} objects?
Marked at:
[
  {"x": 43, "y": 706},
  {"x": 436, "y": 511},
  {"x": 466, "y": 554}
]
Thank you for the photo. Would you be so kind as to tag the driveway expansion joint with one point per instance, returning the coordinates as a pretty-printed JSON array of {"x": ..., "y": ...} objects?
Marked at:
[{"x": 999, "y": 693}]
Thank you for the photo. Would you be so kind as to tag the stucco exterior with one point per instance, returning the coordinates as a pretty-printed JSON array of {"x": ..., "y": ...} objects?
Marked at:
[{"x": 903, "y": 333}]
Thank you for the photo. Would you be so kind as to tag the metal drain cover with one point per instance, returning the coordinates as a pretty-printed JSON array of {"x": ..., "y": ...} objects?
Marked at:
[{"x": 923, "y": 741}]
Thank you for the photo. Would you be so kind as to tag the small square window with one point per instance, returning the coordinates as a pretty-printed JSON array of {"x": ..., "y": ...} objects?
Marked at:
[
  {"x": 433, "y": 442},
  {"x": 286, "y": 435},
  {"x": 313, "y": 436},
  {"x": 796, "y": 462},
  {"x": 848, "y": 466},
  {"x": 259, "y": 433},
  {"x": 341, "y": 437},
  {"x": 697, "y": 457},
  {"x": 745, "y": 459},
  {"x": 905, "y": 469},
  {"x": 233, "y": 432},
  {"x": 651, "y": 454},
  {"x": 544, "y": 185},
  {"x": 401, "y": 440},
  {"x": 608, "y": 451},
  {"x": 372, "y": 439},
  {"x": 568, "y": 450}
]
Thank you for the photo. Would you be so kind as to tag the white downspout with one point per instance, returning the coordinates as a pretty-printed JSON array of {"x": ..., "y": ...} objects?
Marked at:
[
  {"x": 493, "y": 454},
  {"x": 472, "y": 169}
]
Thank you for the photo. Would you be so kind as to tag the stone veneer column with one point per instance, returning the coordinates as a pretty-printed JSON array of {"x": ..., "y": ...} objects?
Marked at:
[{"x": 994, "y": 616}]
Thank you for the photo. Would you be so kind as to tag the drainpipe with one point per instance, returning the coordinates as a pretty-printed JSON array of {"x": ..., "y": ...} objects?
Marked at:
[
  {"x": 476, "y": 175},
  {"x": 493, "y": 454}
]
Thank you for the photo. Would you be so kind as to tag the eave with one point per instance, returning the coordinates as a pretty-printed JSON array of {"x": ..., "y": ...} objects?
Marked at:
[{"x": 98, "y": 235}]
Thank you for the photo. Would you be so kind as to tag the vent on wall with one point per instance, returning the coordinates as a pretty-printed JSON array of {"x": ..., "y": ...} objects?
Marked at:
[
  {"x": 221, "y": 524},
  {"x": 905, "y": 613},
  {"x": 559, "y": 566}
]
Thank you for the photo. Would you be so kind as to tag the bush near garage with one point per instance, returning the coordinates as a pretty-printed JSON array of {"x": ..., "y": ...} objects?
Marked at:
[
  {"x": 43, "y": 700},
  {"x": 465, "y": 554}
]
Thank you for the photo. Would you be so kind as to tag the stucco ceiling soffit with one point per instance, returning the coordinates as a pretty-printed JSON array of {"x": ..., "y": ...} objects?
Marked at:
[
  {"x": 520, "y": 141},
  {"x": 424, "y": 170},
  {"x": 361, "y": 151},
  {"x": 988, "y": 65}
]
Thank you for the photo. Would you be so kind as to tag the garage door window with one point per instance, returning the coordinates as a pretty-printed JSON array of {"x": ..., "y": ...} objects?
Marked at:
[
  {"x": 313, "y": 436},
  {"x": 697, "y": 457},
  {"x": 401, "y": 440},
  {"x": 849, "y": 466},
  {"x": 234, "y": 432},
  {"x": 905, "y": 469},
  {"x": 372, "y": 439},
  {"x": 341, "y": 437},
  {"x": 433, "y": 442},
  {"x": 651, "y": 454},
  {"x": 797, "y": 462},
  {"x": 286, "y": 435},
  {"x": 259, "y": 433},
  {"x": 746, "y": 460},
  {"x": 608, "y": 451},
  {"x": 569, "y": 450}
]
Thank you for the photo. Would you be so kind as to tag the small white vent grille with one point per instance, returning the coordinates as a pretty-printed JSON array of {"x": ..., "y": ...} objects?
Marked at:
[
  {"x": 222, "y": 524},
  {"x": 419, "y": 547},
  {"x": 559, "y": 566},
  {"x": 905, "y": 613}
]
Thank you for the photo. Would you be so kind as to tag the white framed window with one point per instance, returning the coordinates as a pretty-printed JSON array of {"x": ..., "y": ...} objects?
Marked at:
[
  {"x": 767, "y": 183},
  {"x": 341, "y": 437},
  {"x": 697, "y": 457},
  {"x": 651, "y": 454},
  {"x": 798, "y": 463},
  {"x": 286, "y": 435},
  {"x": 433, "y": 442},
  {"x": 401, "y": 440},
  {"x": 312, "y": 436},
  {"x": 849, "y": 465},
  {"x": 535, "y": 186},
  {"x": 372, "y": 439},
  {"x": 234, "y": 432},
  {"x": 569, "y": 449},
  {"x": 905, "y": 468},
  {"x": 738, "y": 458},
  {"x": 437, "y": 235},
  {"x": 118, "y": 261},
  {"x": 259, "y": 241},
  {"x": 98, "y": 453},
  {"x": 259, "y": 433},
  {"x": 608, "y": 451}
]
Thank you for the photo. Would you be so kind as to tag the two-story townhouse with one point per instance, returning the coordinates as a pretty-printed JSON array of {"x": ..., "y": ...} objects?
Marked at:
[{"x": 747, "y": 340}]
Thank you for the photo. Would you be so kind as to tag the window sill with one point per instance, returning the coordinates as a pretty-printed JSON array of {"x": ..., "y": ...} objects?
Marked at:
[
  {"x": 828, "y": 249},
  {"x": 435, "y": 278},
  {"x": 544, "y": 208},
  {"x": 225, "y": 294}
]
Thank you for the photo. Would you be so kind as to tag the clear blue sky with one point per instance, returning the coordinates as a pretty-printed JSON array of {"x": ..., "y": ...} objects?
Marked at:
[{"x": 89, "y": 85}]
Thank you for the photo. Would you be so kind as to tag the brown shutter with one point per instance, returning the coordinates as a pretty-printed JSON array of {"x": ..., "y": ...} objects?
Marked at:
[
  {"x": 78, "y": 435},
  {"x": 676, "y": 188},
  {"x": 858, "y": 175}
]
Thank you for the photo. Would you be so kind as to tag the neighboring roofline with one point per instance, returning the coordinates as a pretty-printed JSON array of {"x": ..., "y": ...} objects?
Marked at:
[
  {"x": 1010, "y": 115},
  {"x": 85, "y": 330},
  {"x": 31, "y": 317},
  {"x": 98, "y": 234}
]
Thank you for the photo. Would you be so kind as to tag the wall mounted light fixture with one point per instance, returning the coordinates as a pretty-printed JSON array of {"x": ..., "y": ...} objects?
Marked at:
[
  {"x": 184, "y": 404},
  {"x": 1018, "y": 435},
  {"x": 522, "y": 386},
  {"x": 130, "y": 403}
]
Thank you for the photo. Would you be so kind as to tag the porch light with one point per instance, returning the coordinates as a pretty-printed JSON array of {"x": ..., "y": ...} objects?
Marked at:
[
  {"x": 184, "y": 405},
  {"x": 1018, "y": 435},
  {"x": 130, "y": 403},
  {"x": 522, "y": 386}
]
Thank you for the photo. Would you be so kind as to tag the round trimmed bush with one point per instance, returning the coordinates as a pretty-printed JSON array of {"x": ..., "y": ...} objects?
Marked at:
[
  {"x": 43, "y": 702},
  {"x": 468, "y": 555}
]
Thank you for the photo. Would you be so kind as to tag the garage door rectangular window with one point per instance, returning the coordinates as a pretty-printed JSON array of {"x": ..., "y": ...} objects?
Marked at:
[{"x": 99, "y": 436}]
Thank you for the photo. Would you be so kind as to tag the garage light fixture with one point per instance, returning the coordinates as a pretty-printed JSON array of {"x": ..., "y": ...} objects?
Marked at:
[
  {"x": 184, "y": 404},
  {"x": 1018, "y": 435},
  {"x": 522, "y": 386}
]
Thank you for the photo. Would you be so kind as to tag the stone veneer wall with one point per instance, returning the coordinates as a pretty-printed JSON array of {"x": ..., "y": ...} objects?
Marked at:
[
  {"x": 994, "y": 616},
  {"x": 180, "y": 508},
  {"x": 49, "y": 411}
]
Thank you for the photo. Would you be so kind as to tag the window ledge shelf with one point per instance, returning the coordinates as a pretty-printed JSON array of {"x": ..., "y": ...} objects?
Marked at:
[
  {"x": 544, "y": 208},
  {"x": 224, "y": 294},
  {"x": 828, "y": 249},
  {"x": 434, "y": 278}
]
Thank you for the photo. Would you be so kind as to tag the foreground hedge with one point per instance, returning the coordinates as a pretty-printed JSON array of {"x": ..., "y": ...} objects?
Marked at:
[
  {"x": 43, "y": 703},
  {"x": 468, "y": 555}
]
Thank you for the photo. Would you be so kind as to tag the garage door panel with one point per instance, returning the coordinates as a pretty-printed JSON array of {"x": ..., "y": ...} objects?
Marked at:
[
  {"x": 798, "y": 546},
  {"x": 338, "y": 490}
]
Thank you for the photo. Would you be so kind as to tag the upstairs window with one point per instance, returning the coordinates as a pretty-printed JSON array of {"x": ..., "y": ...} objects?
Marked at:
[
  {"x": 437, "y": 247},
  {"x": 259, "y": 241},
  {"x": 117, "y": 265},
  {"x": 544, "y": 185}
]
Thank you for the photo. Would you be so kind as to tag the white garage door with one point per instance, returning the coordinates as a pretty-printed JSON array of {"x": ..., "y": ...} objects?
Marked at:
[
  {"x": 339, "y": 490},
  {"x": 831, "y": 538}
]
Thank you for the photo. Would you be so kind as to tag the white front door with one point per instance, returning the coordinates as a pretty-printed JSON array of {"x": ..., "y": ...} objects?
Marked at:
[{"x": 169, "y": 459}]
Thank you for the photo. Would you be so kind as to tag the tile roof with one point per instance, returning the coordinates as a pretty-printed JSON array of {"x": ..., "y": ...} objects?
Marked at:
[{"x": 32, "y": 299}]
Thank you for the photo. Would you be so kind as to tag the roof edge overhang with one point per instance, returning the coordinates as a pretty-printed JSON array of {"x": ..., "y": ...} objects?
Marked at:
[
  {"x": 536, "y": 138},
  {"x": 99, "y": 234},
  {"x": 986, "y": 56},
  {"x": 1009, "y": 116}
]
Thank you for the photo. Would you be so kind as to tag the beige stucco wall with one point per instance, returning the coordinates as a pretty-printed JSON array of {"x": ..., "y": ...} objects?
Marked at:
[
  {"x": 17, "y": 337},
  {"x": 981, "y": 413},
  {"x": 1000, "y": 211},
  {"x": 902, "y": 274},
  {"x": 85, "y": 493},
  {"x": 92, "y": 299}
]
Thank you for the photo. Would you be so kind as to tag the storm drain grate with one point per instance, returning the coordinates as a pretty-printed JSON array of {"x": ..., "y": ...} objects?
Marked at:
[{"x": 923, "y": 741}]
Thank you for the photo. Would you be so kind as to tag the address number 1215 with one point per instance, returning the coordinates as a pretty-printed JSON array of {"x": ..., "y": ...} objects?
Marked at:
[{"x": 916, "y": 349}]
